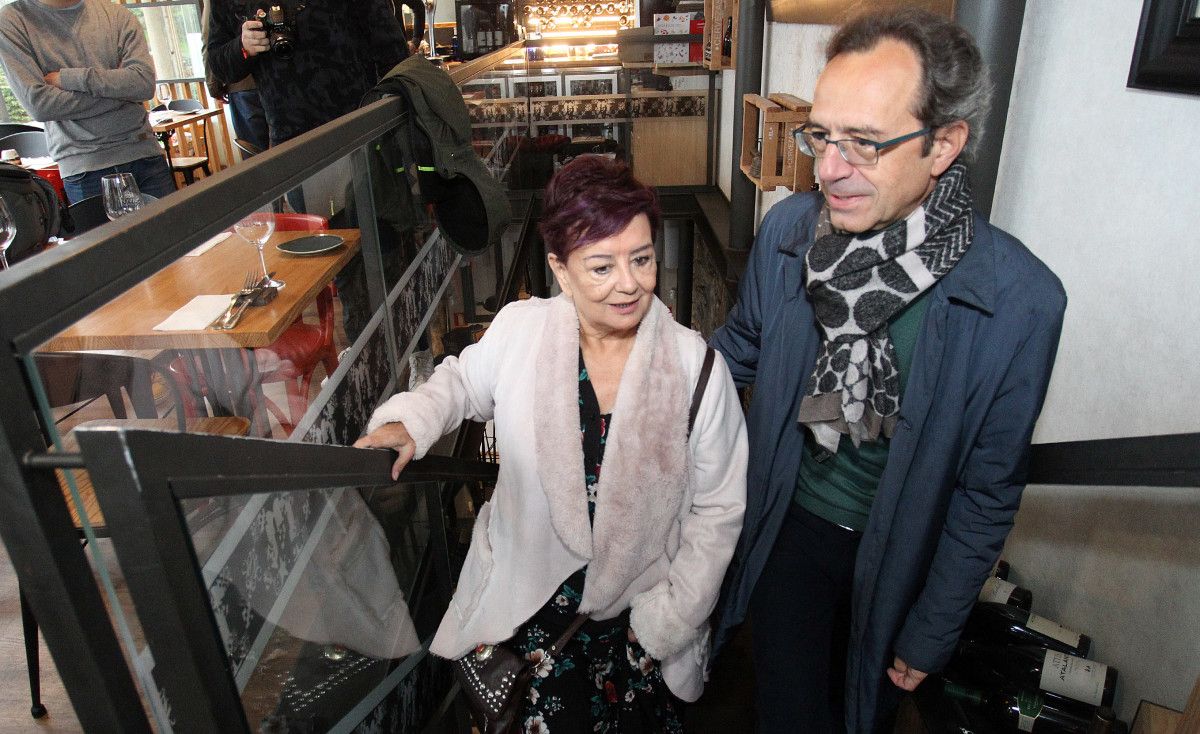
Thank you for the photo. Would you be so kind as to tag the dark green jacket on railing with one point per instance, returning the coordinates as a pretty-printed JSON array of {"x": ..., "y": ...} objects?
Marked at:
[{"x": 471, "y": 206}]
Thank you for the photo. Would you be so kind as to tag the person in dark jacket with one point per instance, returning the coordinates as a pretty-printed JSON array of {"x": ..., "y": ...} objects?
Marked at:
[
  {"x": 339, "y": 51},
  {"x": 900, "y": 348}
]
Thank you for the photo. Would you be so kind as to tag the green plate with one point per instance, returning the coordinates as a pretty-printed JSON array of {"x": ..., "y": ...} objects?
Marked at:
[{"x": 312, "y": 245}]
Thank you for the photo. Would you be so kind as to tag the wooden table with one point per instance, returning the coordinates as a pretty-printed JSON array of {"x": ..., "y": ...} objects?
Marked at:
[
  {"x": 83, "y": 483},
  {"x": 231, "y": 377},
  {"x": 128, "y": 321}
]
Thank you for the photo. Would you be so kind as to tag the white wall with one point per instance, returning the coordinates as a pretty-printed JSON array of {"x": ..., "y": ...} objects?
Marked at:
[{"x": 1101, "y": 182}]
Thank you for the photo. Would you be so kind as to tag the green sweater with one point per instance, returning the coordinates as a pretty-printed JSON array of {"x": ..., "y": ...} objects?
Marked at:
[
  {"x": 94, "y": 118},
  {"x": 842, "y": 488}
]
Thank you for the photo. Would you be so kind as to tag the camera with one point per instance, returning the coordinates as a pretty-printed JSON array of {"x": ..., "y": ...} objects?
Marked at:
[{"x": 280, "y": 26}]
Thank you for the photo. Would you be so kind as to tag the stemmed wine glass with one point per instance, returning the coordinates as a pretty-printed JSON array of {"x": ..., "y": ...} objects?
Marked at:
[
  {"x": 8, "y": 231},
  {"x": 164, "y": 95},
  {"x": 256, "y": 228},
  {"x": 121, "y": 194}
]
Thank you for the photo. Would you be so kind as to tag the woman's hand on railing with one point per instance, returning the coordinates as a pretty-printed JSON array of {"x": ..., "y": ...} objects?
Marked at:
[{"x": 392, "y": 436}]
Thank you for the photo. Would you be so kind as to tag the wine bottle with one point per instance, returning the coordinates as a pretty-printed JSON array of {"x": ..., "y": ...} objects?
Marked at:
[
  {"x": 1022, "y": 711},
  {"x": 996, "y": 589},
  {"x": 1037, "y": 668},
  {"x": 1005, "y": 624},
  {"x": 1001, "y": 569}
]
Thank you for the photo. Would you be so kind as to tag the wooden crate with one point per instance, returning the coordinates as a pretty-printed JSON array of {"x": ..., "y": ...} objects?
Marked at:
[
  {"x": 772, "y": 119},
  {"x": 719, "y": 15}
]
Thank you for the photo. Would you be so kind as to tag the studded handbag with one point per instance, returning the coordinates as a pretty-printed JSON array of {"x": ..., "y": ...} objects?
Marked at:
[{"x": 496, "y": 680}]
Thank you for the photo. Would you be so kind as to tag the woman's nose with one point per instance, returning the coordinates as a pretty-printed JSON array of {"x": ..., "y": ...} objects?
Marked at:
[{"x": 626, "y": 283}]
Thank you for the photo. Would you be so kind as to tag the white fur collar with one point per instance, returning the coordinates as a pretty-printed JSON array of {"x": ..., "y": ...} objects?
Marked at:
[{"x": 644, "y": 478}]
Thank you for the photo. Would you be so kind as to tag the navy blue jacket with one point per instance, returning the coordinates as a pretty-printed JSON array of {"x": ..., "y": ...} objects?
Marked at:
[{"x": 958, "y": 459}]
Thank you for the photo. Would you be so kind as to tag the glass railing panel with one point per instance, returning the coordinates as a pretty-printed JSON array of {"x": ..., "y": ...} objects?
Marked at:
[
  {"x": 158, "y": 355},
  {"x": 319, "y": 600}
]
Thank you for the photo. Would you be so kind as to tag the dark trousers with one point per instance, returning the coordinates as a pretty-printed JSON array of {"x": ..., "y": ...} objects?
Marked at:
[
  {"x": 800, "y": 626},
  {"x": 249, "y": 120}
]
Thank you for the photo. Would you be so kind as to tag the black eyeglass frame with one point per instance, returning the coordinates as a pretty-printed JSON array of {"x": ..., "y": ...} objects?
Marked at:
[{"x": 800, "y": 135}]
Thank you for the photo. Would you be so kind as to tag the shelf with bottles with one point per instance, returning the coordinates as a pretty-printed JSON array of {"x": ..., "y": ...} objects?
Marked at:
[
  {"x": 769, "y": 155},
  {"x": 544, "y": 19},
  {"x": 720, "y": 34}
]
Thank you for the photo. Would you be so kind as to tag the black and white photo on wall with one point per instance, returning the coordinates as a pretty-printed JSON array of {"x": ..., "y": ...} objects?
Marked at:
[{"x": 1166, "y": 57}]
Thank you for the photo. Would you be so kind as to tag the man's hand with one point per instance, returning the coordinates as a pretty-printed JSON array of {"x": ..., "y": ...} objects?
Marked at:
[
  {"x": 905, "y": 677},
  {"x": 390, "y": 436},
  {"x": 254, "y": 38},
  {"x": 52, "y": 79}
]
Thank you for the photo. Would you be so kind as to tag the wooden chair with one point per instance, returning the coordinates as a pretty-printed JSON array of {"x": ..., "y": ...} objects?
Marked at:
[
  {"x": 28, "y": 144},
  {"x": 81, "y": 378},
  {"x": 185, "y": 164}
]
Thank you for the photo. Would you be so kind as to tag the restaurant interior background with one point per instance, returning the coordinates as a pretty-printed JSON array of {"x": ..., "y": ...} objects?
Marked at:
[{"x": 204, "y": 596}]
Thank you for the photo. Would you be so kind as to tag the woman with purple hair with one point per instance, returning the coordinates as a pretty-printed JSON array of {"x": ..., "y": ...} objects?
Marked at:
[{"x": 600, "y": 376}]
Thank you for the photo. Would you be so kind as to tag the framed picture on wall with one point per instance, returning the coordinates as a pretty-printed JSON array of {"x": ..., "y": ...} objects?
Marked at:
[
  {"x": 490, "y": 88},
  {"x": 590, "y": 84},
  {"x": 1166, "y": 57},
  {"x": 536, "y": 86}
]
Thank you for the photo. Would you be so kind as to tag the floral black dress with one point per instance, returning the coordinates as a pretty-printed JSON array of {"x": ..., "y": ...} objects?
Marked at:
[{"x": 601, "y": 681}]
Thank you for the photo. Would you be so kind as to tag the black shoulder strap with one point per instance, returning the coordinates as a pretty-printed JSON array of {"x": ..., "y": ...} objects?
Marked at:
[{"x": 698, "y": 395}]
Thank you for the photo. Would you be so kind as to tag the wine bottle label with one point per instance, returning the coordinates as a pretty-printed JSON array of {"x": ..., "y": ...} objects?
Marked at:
[
  {"x": 1073, "y": 677},
  {"x": 997, "y": 590},
  {"x": 1050, "y": 628},
  {"x": 1029, "y": 707}
]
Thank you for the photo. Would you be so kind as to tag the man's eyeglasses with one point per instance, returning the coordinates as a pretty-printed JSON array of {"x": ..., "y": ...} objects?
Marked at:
[{"x": 855, "y": 151}]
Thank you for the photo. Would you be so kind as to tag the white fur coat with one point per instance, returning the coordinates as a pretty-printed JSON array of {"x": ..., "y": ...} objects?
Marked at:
[{"x": 669, "y": 507}]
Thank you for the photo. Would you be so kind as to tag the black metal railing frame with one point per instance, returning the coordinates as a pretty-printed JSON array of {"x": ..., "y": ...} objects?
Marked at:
[{"x": 45, "y": 294}]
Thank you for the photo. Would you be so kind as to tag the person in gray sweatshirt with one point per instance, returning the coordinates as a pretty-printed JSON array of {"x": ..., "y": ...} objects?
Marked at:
[{"x": 83, "y": 68}]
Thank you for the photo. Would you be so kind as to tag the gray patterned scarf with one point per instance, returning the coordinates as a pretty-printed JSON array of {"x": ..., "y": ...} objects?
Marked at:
[{"x": 857, "y": 283}]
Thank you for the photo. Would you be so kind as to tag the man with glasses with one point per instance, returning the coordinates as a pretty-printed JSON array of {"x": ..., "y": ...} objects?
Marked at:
[{"x": 899, "y": 347}]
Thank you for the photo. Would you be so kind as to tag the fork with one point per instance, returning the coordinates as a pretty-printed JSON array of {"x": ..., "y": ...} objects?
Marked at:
[{"x": 247, "y": 290}]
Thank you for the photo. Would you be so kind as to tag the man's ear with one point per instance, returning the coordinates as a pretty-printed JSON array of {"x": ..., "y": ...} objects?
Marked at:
[
  {"x": 560, "y": 273},
  {"x": 948, "y": 142}
]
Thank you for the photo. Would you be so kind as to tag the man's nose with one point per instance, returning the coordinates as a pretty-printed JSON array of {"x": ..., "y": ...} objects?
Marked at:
[{"x": 833, "y": 167}]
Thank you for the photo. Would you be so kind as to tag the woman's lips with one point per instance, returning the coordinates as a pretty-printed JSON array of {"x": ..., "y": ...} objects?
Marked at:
[{"x": 624, "y": 308}]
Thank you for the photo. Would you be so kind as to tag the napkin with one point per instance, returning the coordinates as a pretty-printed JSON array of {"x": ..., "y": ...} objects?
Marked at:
[
  {"x": 196, "y": 314},
  {"x": 209, "y": 243},
  {"x": 160, "y": 116}
]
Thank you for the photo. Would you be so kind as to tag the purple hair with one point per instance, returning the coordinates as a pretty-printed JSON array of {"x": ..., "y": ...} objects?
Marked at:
[{"x": 589, "y": 199}]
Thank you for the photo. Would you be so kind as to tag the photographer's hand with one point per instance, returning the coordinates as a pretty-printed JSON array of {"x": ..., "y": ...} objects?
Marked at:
[{"x": 254, "y": 39}]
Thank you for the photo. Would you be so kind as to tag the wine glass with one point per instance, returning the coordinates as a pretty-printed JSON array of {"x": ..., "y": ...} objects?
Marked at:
[
  {"x": 8, "y": 231},
  {"x": 121, "y": 194},
  {"x": 164, "y": 95},
  {"x": 256, "y": 228}
]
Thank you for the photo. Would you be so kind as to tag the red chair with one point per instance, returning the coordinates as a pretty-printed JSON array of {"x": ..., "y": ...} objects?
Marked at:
[{"x": 290, "y": 359}]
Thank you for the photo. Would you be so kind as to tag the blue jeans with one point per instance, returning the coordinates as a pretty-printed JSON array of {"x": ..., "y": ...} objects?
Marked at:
[{"x": 151, "y": 173}]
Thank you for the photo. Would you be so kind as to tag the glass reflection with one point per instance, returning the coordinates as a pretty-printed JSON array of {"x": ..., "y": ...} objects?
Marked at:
[{"x": 311, "y": 592}]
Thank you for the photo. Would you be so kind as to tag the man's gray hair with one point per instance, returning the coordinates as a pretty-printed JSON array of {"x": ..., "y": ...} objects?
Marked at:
[{"x": 954, "y": 80}]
